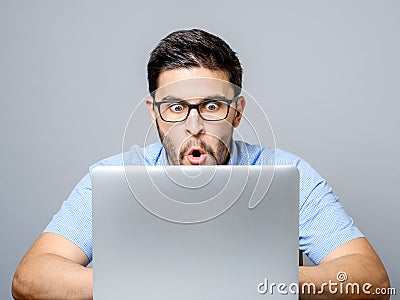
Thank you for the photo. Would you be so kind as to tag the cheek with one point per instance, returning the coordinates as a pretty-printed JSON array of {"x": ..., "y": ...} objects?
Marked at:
[
  {"x": 220, "y": 131},
  {"x": 223, "y": 126},
  {"x": 232, "y": 116},
  {"x": 174, "y": 132},
  {"x": 167, "y": 128}
]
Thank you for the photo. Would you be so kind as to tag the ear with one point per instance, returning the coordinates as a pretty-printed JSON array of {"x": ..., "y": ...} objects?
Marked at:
[
  {"x": 150, "y": 107},
  {"x": 241, "y": 104}
]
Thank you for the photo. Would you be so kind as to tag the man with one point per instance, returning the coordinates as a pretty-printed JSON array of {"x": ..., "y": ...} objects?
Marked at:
[{"x": 198, "y": 130}]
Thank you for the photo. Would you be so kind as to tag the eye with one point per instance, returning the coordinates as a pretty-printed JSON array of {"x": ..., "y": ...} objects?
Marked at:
[
  {"x": 176, "y": 107},
  {"x": 212, "y": 106}
]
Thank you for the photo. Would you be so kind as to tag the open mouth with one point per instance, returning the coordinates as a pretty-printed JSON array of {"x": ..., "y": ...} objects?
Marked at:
[
  {"x": 196, "y": 153},
  {"x": 196, "y": 156}
]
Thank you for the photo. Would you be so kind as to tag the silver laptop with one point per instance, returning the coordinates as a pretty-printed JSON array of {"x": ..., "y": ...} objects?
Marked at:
[{"x": 198, "y": 233}]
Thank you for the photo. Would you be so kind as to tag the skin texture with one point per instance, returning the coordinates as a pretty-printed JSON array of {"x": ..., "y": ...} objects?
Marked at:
[
  {"x": 54, "y": 267},
  {"x": 358, "y": 260}
]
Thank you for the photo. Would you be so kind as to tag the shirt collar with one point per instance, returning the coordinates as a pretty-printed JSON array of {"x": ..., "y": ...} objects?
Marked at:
[
  {"x": 233, "y": 158},
  {"x": 163, "y": 161}
]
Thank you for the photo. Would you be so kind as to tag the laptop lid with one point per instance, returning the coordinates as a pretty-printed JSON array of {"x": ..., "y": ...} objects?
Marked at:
[{"x": 209, "y": 232}]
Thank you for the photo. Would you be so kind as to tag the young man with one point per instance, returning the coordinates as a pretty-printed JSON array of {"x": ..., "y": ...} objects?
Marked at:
[{"x": 197, "y": 129}]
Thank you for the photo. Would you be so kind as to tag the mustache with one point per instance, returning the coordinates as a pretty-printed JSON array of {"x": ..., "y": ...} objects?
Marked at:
[{"x": 196, "y": 143}]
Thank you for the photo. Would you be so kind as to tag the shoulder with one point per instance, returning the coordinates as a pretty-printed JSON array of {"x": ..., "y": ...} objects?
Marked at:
[
  {"x": 309, "y": 177},
  {"x": 135, "y": 156},
  {"x": 262, "y": 154},
  {"x": 307, "y": 173}
]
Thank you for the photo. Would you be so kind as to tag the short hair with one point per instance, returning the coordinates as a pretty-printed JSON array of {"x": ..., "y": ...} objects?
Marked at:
[{"x": 193, "y": 48}]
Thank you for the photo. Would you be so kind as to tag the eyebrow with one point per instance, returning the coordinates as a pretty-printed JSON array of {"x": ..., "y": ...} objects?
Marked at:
[{"x": 177, "y": 99}]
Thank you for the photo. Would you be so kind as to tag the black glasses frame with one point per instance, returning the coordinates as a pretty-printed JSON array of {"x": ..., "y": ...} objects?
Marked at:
[{"x": 194, "y": 106}]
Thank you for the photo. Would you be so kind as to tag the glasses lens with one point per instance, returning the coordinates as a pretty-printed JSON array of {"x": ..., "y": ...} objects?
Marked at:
[
  {"x": 210, "y": 110},
  {"x": 214, "y": 110},
  {"x": 173, "y": 111}
]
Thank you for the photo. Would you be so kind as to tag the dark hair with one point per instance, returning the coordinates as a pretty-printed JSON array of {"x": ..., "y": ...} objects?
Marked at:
[{"x": 193, "y": 48}]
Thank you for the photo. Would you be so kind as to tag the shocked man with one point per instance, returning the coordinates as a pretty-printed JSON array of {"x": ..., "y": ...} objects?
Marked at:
[{"x": 198, "y": 130}]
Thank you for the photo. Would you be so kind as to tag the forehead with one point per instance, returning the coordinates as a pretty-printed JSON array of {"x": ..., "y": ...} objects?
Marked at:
[{"x": 187, "y": 83}]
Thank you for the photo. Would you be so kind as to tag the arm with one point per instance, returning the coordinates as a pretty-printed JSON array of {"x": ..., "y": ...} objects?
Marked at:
[
  {"x": 54, "y": 268},
  {"x": 358, "y": 260}
]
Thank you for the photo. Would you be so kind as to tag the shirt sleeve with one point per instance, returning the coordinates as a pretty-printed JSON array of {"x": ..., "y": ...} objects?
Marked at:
[
  {"x": 323, "y": 223},
  {"x": 74, "y": 219}
]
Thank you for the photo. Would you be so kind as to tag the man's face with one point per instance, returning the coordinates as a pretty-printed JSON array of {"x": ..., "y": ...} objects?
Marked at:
[{"x": 195, "y": 141}]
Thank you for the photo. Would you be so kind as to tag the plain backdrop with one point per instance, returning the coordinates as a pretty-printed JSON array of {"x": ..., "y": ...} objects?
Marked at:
[{"x": 325, "y": 72}]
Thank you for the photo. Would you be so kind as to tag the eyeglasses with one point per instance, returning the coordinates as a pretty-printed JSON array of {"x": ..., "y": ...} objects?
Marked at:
[{"x": 209, "y": 110}]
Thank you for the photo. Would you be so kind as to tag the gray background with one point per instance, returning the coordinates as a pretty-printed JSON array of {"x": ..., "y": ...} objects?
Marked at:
[{"x": 71, "y": 72}]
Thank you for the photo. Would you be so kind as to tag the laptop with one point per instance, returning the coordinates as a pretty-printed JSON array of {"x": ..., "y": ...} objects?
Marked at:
[{"x": 195, "y": 232}]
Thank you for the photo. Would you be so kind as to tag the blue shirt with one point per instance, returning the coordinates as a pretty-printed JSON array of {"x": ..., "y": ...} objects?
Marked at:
[{"x": 323, "y": 223}]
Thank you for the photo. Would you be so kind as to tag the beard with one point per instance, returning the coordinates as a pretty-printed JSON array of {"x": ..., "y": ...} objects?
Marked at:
[{"x": 218, "y": 156}]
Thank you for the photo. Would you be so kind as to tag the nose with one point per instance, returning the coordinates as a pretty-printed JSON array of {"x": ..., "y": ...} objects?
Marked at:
[{"x": 194, "y": 124}]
